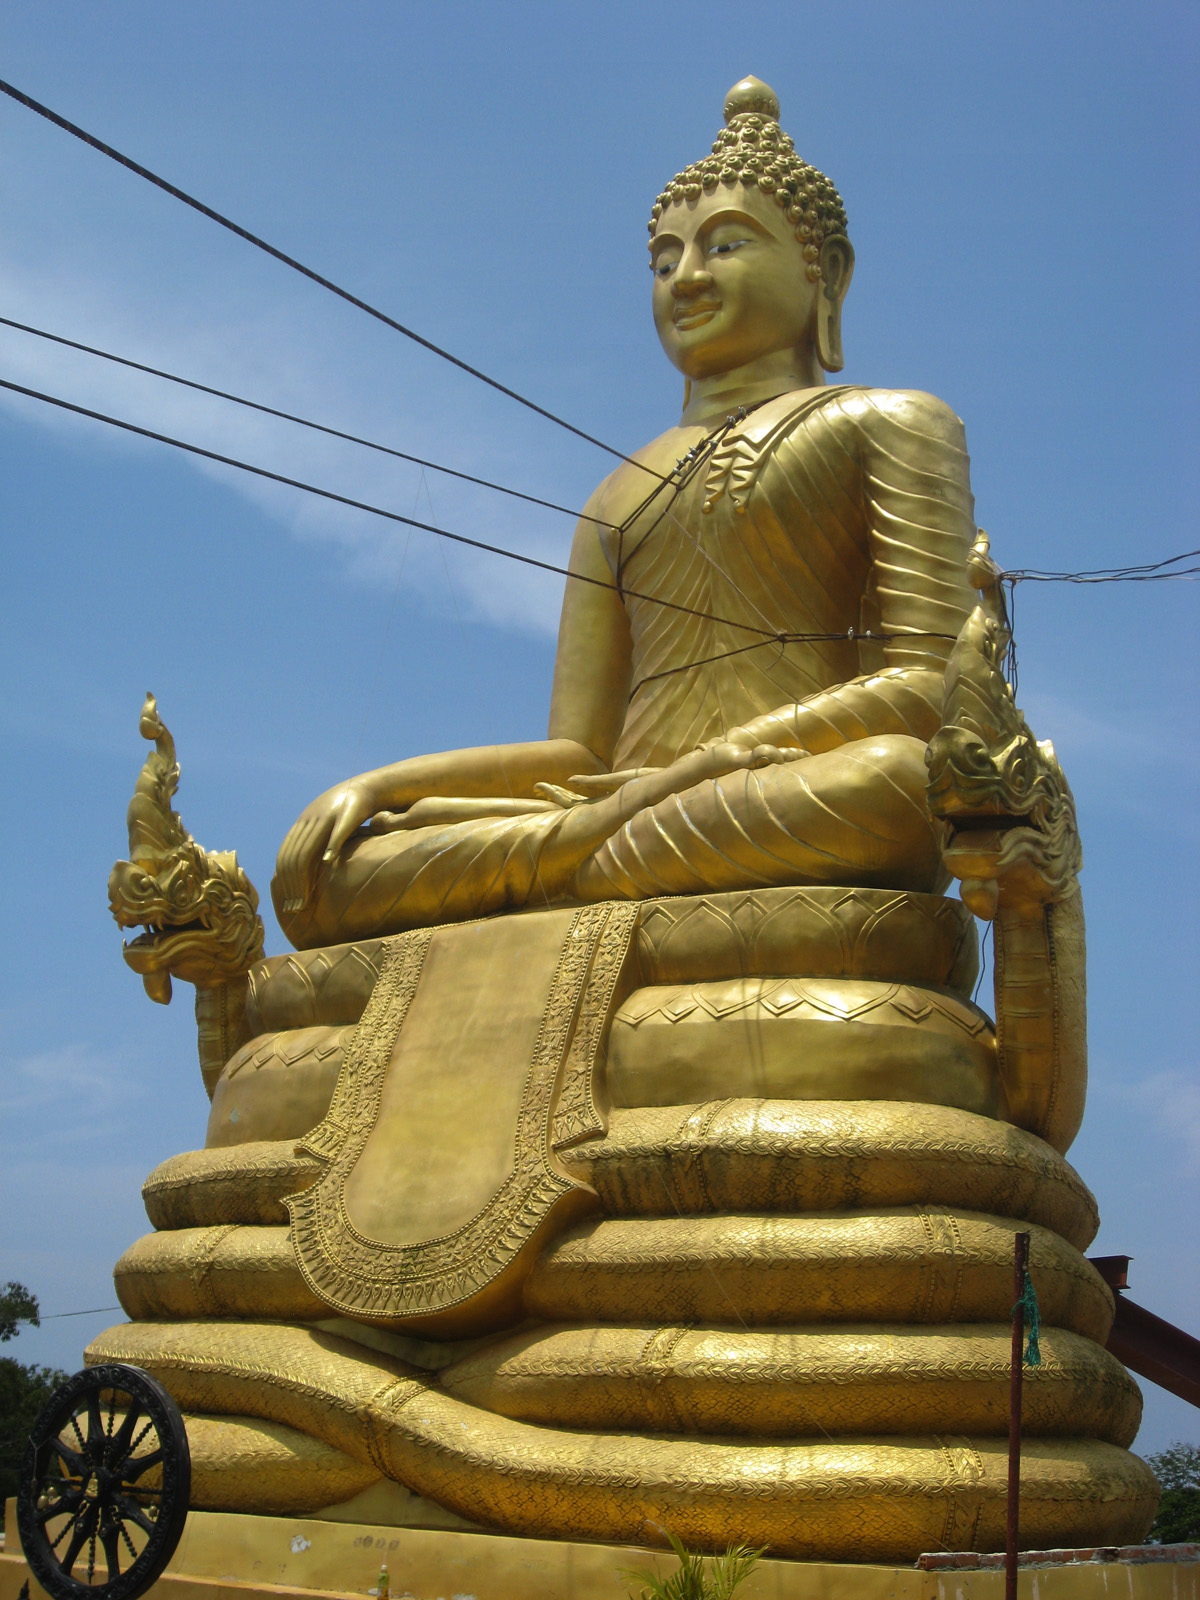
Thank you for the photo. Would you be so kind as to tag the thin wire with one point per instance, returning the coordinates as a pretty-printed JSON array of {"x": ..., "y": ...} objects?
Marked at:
[
  {"x": 362, "y": 505},
  {"x": 1149, "y": 572},
  {"x": 303, "y": 422},
  {"x": 307, "y": 272},
  {"x": 51, "y": 1316},
  {"x": 849, "y": 635}
]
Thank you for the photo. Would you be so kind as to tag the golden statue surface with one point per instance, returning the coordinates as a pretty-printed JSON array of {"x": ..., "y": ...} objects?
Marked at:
[{"x": 621, "y": 1146}]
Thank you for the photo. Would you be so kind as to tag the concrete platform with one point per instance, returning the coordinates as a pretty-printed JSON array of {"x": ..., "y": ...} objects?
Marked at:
[{"x": 223, "y": 1556}]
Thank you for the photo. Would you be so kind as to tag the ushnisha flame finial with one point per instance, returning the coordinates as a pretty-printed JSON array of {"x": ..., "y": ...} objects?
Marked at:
[
  {"x": 753, "y": 150},
  {"x": 751, "y": 96}
]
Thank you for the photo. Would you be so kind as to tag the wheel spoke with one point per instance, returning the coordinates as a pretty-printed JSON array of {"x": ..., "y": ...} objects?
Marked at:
[
  {"x": 95, "y": 1420},
  {"x": 62, "y": 1533},
  {"x": 112, "y": 1549},
  {"x": 70, "y": 1458},
  {"x": 84, "y": 1528},
  {"x": 78, "y": 1435},
  {"x": 125, "y": 1535},
  {"x": 68, "y": 1504},
  {"x": 120, "y": 1446},
  {"x": 136, "y": 1465},
  {"x": 130, "y": 1509},
  {"x": 141, "y": 1436}
]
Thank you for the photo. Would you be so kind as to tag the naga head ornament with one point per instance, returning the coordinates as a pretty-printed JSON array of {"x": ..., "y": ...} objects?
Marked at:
[
  {"x": 198, "y": 908},
  {"x": 998, "y": 795},
  {"x": 753, "y": 150}
]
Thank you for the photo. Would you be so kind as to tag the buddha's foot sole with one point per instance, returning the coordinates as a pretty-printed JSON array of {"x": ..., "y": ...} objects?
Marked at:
[
  {"x": 790, "y": 1382},
  {"x": 903, "y": 1264},
  {"x": 868, "y": 1498}
]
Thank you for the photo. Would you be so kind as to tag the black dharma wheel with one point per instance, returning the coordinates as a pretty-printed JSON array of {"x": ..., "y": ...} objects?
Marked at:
[{"x": 104, "y": 1486}]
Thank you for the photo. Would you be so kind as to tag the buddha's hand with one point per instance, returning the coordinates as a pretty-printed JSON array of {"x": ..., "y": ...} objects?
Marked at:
[
  {"x": 711, "y": 760},
  {"x": 317, "y": 835}
]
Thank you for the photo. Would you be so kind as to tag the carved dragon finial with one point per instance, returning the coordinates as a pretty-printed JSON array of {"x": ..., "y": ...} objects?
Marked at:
[
  {"x": 1005, "y": 807},
  {"x": 199, "y": 909},
  {"x": 1009, "y": 834}
]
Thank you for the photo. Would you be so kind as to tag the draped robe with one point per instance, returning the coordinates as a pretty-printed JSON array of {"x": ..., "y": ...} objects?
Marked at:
[{"x": 831, "y": 513}]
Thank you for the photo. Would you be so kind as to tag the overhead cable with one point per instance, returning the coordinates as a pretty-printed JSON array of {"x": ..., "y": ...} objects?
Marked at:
[
  {"x": 1149, "y": 572},
  {"x": 303, "y": 422},
  {"x": 375, "y": 511},
  {"x": 307, "y": 272}
]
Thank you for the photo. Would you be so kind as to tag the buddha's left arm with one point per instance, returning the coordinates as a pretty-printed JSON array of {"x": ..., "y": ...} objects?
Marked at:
[{"x": 919, "y": 524}]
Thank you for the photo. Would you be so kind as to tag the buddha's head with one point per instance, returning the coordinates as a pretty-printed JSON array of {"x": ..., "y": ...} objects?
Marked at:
[{"x": 749, "y": 250}]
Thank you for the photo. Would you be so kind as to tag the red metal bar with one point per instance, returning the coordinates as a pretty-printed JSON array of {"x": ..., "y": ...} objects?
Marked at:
[
  {"x": 1156, "y": 1349},
  {"x": 1020, "y": 1266}
]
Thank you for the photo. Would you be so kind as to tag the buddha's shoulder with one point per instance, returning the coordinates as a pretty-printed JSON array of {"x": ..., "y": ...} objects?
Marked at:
[{"x": 871, "y": 414}]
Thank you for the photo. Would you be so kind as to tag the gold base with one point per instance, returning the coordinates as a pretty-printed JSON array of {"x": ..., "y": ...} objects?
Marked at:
[{"x": 224, "y": 1556}]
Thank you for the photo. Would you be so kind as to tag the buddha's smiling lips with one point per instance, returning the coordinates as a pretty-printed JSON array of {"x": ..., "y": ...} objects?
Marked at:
[{"x": 696, "y": 316}]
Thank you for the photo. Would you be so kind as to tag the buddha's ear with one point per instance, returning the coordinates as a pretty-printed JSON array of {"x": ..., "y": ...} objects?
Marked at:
[{"x": 837, "y": 268}]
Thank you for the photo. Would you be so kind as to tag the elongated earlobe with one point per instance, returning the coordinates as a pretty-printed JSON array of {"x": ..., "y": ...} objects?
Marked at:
[{"x": 837, "y": 268}]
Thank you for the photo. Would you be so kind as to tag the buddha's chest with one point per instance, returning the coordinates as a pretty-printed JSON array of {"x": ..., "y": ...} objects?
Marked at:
[{"x": 755, "y": 535}]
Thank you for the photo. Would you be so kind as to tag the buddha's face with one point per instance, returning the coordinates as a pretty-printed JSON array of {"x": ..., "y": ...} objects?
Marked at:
[{"x": 730, "y": 282}]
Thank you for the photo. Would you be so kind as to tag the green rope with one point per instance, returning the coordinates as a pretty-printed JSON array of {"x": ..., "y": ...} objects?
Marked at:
[{"x": 1028, "y": 1303}]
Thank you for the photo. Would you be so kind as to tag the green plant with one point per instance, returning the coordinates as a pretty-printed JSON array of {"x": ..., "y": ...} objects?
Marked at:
[
  {"x": 17, "y": 1305},
  {"x": 692, "y": 1582},
  {"x": 1178, "y": 1518},
  {"x": 23, "y": 1392}
]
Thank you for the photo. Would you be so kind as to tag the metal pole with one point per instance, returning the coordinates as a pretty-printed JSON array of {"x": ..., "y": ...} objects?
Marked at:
[{"x": 1020, "y": 1266}]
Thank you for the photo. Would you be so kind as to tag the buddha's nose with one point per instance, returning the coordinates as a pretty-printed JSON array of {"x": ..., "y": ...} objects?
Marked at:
[{"x": 690, "y": 281}]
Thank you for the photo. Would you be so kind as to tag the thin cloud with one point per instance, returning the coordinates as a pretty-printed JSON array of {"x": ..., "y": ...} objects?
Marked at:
[{"x": 252, "y": 351}]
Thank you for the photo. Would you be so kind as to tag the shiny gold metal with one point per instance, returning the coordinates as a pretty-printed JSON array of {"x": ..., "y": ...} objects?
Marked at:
[
  {"x": 1007, "y": 818},
  {"x": 244, "y": 1183},
  {"x": 882, "y": 1498},
  {"x": 214, "y": 1272},
  {"x": 199, "y": 909},
  {"x": 240, "y": 1461},
  {"x": 905, "y": 1264},
  {"x": 789, "y": 1382},
  {"x": 656, "y": 1039},
  {"x": 808, "y": 1155}
]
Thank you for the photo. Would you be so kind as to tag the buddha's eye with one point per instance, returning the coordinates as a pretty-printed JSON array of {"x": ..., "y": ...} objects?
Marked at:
[
  {"x": 727, "y": 247},
  {"x": 664, "y": 266}
]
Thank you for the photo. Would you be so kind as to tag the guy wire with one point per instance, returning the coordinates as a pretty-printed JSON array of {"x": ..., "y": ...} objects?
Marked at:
[
  {"x": 303, "y": 422},
  {"x": 307, "y": 272},
  {"x": 363, "y": 505}
]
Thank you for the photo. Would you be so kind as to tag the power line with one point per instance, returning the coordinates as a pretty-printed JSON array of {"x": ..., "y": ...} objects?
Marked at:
[
  {"x": 376, "y": 511},
  {"x": 307, "y": 272},
  {"x": 1149, "y": 572},
  {"x": 303, "y": 422}
]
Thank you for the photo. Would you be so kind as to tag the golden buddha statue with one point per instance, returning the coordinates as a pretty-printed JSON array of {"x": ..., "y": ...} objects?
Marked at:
[
  {"x": 621, "y": 1147},
  {"x": 779, "y": 507}
]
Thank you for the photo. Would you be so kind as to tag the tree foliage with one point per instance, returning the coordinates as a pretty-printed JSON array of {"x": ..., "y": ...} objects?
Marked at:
[
  {"x": 1178, "y": 1470},
  {"x": 693, "y": 1581},
  {"x": 17, "y": 1305},
  {"x": 23, "y": 1392}
]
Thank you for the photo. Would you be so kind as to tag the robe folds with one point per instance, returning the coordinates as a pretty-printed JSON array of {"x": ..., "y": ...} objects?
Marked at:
[{"x": 833, "y": 514}]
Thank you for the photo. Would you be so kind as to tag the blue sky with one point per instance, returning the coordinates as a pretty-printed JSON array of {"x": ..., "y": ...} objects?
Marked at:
[{"x": 1021, "y": 183}]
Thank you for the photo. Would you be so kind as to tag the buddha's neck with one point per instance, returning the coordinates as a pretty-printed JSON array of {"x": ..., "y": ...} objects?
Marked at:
[{"x": 777, "y": 373}]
